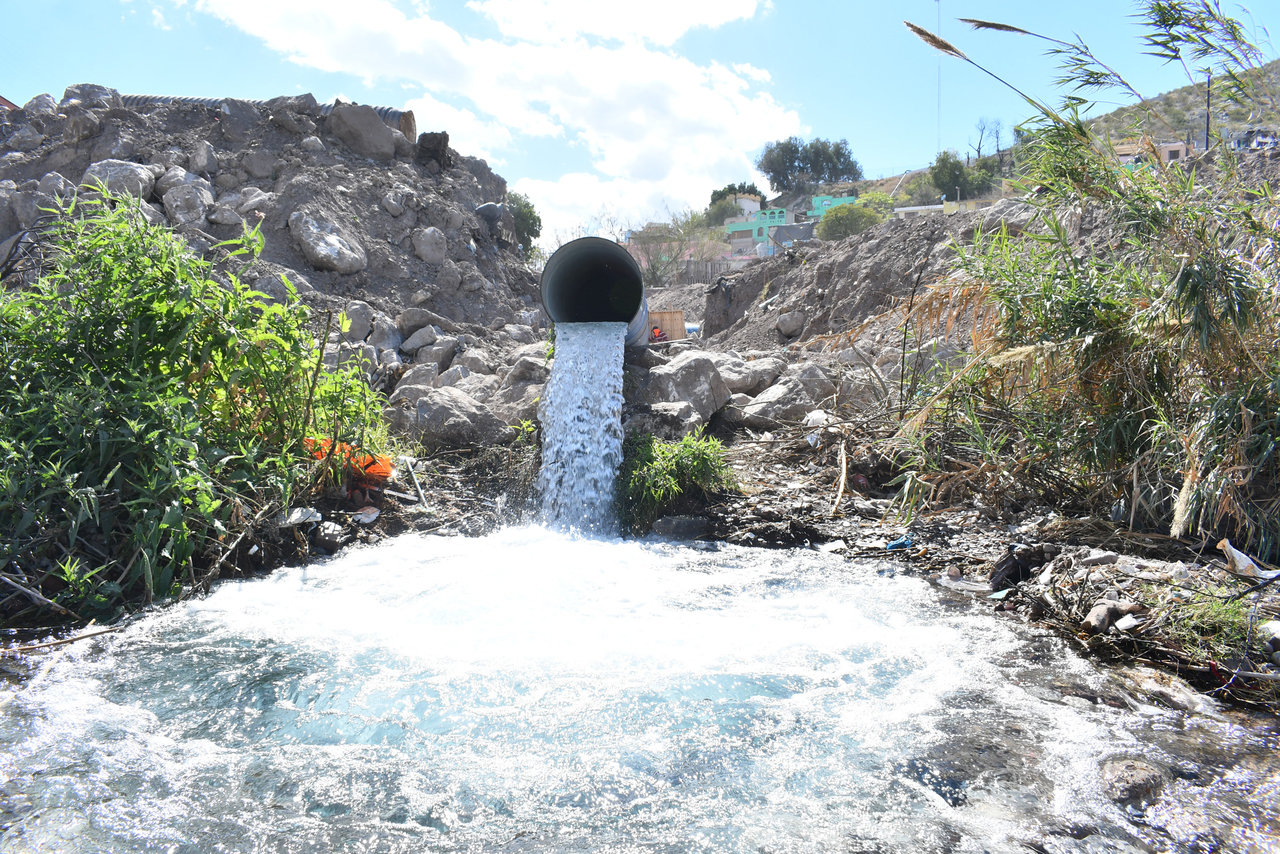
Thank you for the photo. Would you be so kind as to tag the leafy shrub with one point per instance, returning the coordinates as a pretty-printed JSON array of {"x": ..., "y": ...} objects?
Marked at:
[
  {"x": 846, "y": 221},
  {"x": 655, "y": 473},
  {"x": 148, "y": 414}
]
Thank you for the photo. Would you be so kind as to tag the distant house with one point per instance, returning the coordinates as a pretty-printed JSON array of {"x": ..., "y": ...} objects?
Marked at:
[
  {"x": 1255, "y": 139},
  {"x": 822, "y": 204},
  {"x": 1139, "y": 151},
  {"x": 6, "y": 104},
  {"x": 745, "y": 233}
]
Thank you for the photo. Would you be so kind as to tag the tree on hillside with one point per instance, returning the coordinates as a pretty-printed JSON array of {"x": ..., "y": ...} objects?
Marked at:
[
  {"x": 661, "y": 249},
  {"x": 742, "y": 188},
  {"x": 846, "y": 221},
  {"x": 528, "y": 223},
  {"x": 825, "y": 162},
  {"x": 721, "y": 210}
]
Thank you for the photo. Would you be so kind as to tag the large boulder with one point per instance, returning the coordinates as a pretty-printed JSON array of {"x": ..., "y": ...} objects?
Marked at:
[
  {"x": 430, "y": 245},
  {"x": 790, "y": 323},
  {"x": 692, "y": 376},
  {"x": 785, "y": 402},
  {"x": 362, "y": 131},
  {"x": 527, "y": 369},
  {"x": 120, "y": 177},
  {"x": 447, "y": 416},
  {"x": 43, "y": 104},
  {"x": 670, "y": 421},
  {"x": 25, "y": 139},
  {"x": 815, "y": 381},
  {"x": 359, "y": 320},
  {"x": 325, "y": 246},
  {"x": 440, "y": 353},
  {"x": 238, "y": 119},
  {"x": 203, "y": 160},
  {"x": 89, "y": 96},
  {"x": 186, "y": 204}
]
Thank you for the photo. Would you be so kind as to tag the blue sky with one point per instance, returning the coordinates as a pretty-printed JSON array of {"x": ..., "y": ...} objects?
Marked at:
[{"x": 593, "y": 107}]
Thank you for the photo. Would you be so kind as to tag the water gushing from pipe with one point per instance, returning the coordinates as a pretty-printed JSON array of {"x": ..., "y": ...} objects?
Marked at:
[{"x": 581, "y": 416}]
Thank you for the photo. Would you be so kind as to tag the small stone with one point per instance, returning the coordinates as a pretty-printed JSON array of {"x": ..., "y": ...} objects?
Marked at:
[
  {"x": 1132, "y": 781},
  {"x": 203, "y": 160},
  {"x": 25, "y": 139},
  {"x": 430, "y": 245},
  {"x": 186, "y": 204},
  {"x": 790, "y": 323},
  {"x": 259, "y": 163},
  {"x": 41, "y": 105},
  {"x": 311, "y": 143},
  {"x": 424, "y": 337},
  {"x": 359, "y": 315},
  {"x": 324, "y": 245}
]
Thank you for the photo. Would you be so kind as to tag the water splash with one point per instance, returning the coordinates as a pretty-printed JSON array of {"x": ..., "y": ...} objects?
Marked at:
[{"x": 581, "y": 416}]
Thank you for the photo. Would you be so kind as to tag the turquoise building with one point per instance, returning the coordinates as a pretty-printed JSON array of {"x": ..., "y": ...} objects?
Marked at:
[{"x": 822, "y": 204}]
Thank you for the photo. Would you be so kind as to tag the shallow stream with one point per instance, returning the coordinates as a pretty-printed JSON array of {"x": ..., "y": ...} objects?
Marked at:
[{"x": 530, "y": 691}]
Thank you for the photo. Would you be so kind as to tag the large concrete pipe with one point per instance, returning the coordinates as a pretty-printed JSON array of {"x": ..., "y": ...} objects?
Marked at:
[{"x": 593, "y": 280}]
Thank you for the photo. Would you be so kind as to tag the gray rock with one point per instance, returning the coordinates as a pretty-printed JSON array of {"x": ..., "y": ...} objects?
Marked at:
[
  {"x": 451, "y": 376},
  {"x": 740, "y": 377},
  {"x": 177, "y": 176},
  {"x": 30, "y": 206},
  {"x": 527, "y": 369},
  {"x": 479, "y": 386},
  {"x": 385, "y": 335},
  {"x": 518, "y": 402},
  {"x": 430, "y": 245},
  {"x": 520, "y": 333},
  {"x": 8, "y": 221},
  {"x": 447, "y": 416},
  {"x": 152, "y": 214},
  {"x": 388, "y": 357},
  {"x": 203, "y": 160},
  {"x": 1132, "y": 781},
  {"x": 54, "y": 184},
  {"x": 81, "y": 125},
  {"x": 90, "y": 96},
  {"x": 404, "y": 148},
  {"x": 237, "y": 119},
  {"x": 420, "y": 375},
  {"x": 120, "y": 177},
  {"x": 223, "y": 215},
  {"x": 785, "y": 402},
  {"x": 412, "y": 319},
  {"x": 692, "y": 377},
  {"x": 475, "y": 362},
  {"x": 41, "y": 105},
  {"x": 312, "y": 144},
  {"x": 411, "y": 392},
  {"x": 360, "y": 318},
  {"x": 393, "y": 202},
  {"x": 768, "y": 369},
  {"x": 424, "y": 337},
  {"x": 670, "y": 421},
  {"x": 815, "y": 381},
  {"x": 259, "y": 163},
  {"x": 359, "y": 354},
  {"x": 25, "y": 138},
  {"x": 439, "y": 354},
  {"x": 1013, "y": 214},
  {"x": 186, "y": 204},
  {"x": 325, "y": 246},
  {"x": 361, "y": 130},
  {"x": 735, "y": 410},
  {"x": 790, "y": 323},
  {"x": 449, "y": 278},
  {"x": 291, "y": 122},
  {"x": 252, "y": 199}
]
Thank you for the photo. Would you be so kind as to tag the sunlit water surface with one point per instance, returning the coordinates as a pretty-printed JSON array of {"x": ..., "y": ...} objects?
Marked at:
[{"x": 532, "y": 692}]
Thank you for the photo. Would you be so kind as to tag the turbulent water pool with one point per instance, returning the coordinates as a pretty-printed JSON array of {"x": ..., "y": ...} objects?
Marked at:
[{"x": 534, "y": 692}]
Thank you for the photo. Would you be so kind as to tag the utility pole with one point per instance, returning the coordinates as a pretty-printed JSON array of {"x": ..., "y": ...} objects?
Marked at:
[
  {"x": 938, "y": 32},
  {"x": 1208, "y": 94}
]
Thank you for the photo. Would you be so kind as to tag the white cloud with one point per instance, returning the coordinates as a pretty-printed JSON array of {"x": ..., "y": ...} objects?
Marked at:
[
  {"x": 657, "y": 129},
  {"x": 157, "y": 19}
]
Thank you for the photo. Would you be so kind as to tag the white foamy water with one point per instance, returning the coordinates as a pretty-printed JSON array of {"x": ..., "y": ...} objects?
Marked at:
[
  {"x": 581, "y": 417},
  {"x": 532, "y": 691}
]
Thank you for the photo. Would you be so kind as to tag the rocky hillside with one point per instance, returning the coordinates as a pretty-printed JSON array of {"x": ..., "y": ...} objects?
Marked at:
[{"x": 409, "y": 237}]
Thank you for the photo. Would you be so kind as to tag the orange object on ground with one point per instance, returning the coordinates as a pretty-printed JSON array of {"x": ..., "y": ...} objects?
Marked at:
[{"x": 362, "y": 467}]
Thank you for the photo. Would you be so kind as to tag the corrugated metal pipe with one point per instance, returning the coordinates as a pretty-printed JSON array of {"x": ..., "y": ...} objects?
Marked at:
[
  {"x": 593, "y": 280},
  {"x": 401, "y": 120}
]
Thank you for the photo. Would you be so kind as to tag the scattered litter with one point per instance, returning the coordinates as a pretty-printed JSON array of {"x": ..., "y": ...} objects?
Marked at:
[
  {"x": 366, "y": 515},
  {"x": 299, "y": 516},
  {"x": 1241, "y": 563},
  {"x": 833, "y": 546},
  {"x": 903, "y": 542},
  {"x": 1127, "y": 623},
  {"x": 254, "y": 550},
  {"x": 403, "y": 496}
]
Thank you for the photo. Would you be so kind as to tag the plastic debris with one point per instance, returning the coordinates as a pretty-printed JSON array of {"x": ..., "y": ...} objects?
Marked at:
[
  {"x": 299, "y": 516},
  {"x": 903, "y": 542},
  {"x": 366, "y": 515}
]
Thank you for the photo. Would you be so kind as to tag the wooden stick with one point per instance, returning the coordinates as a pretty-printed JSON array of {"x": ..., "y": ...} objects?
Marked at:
[
  {"x": 36, "y": 597},
  {"x": 14, "y": 650},
  {"x": 835, "y": 505}
]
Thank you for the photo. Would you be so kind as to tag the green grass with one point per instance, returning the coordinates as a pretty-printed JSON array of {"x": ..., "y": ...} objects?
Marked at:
[
  {"x": 148, "y": 415},
  {"x": 655, "y": 474}
]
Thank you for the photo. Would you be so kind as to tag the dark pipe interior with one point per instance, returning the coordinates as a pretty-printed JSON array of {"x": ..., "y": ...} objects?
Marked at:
[{"x": 591, "y": 280}]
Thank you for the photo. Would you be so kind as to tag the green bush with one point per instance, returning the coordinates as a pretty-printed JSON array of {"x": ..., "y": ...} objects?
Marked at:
[
  {"x": 655, "y": 473},
  {"x": 846, "y": 221},
  {"x": 147, "y": 415}
]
